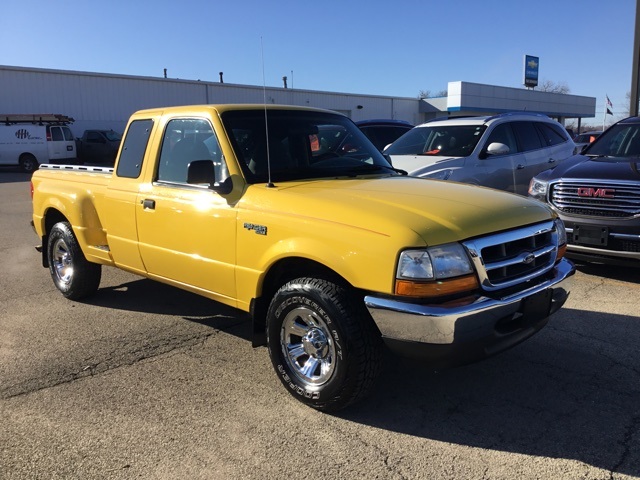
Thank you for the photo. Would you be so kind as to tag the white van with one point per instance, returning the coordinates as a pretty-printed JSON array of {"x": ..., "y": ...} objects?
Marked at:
[{"x": 29, "y": 140}]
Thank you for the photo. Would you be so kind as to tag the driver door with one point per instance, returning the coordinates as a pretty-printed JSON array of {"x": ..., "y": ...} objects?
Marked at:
[{"x": 187, "y": 232}]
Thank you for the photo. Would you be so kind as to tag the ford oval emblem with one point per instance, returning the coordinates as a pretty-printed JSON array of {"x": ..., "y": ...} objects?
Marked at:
[{"x": 529, "y": 259}]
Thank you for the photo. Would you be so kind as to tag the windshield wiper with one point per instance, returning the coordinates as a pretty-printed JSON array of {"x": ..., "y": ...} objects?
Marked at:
[{"x": 369, "y": 168}]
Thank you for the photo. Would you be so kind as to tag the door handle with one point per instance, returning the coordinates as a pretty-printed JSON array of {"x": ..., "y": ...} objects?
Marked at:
[
  {"x": 149, "y": 204},
  {"x": 552, "y": 160},
  {"x": 520, "y": 166}
]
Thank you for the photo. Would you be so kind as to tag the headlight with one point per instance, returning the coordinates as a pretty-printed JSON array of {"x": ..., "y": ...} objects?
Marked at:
[
  {"x": 440, "y": 174},
  {"x": 538, "y": 188},
  {"x": 434, "y": 263},
  {"x": 562, "y": 232}
]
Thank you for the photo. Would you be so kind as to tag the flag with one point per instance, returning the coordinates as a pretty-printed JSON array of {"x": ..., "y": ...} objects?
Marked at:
[
  {"x": 609, "y": 102},
  {"x": 609, "y": 111}
]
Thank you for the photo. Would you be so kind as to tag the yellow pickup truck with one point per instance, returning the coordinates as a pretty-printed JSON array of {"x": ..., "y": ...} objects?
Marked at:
[{"x": 291, "y": 214}]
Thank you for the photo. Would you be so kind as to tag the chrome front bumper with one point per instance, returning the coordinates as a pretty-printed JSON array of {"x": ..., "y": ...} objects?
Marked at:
[{"x": 451, "y": 335}]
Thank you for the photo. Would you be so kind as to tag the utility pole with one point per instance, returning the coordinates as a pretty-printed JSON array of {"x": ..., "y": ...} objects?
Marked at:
[{"x": 635, "y": 71}]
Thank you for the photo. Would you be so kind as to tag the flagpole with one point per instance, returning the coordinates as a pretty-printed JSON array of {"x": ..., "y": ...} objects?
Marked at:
[{"x": 604, "y": 116}]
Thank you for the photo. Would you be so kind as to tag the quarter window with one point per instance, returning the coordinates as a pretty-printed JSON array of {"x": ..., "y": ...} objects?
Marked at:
[{"x": 551, "y": 135}]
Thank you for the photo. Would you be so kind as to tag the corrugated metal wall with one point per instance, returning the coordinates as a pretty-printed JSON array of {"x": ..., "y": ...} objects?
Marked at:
[{"x": 106, "y": 101}]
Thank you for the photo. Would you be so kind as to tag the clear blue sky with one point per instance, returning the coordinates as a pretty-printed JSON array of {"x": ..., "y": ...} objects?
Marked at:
[{"x": 374, "y": 47}]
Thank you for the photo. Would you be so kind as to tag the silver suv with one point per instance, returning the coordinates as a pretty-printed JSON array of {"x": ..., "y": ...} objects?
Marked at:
[{"x": 503, "y": 151}]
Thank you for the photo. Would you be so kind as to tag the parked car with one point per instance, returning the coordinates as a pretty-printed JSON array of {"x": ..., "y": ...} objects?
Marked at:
[
  {"x": 597, "y": 195},
  {"x": 585, "y": 139},
  {"x": 28, "y": 140},
  {"x": 502, "y": 151},
  {"x": 98, "y": 146},
  {"x": 383, "y": 132}
]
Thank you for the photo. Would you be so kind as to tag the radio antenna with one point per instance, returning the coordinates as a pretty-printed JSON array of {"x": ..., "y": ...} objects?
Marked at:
[{"x": 266, "y": 123}]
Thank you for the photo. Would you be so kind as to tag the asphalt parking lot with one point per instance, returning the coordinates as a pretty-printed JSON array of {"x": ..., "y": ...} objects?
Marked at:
[{"x": 146, "y": 381}]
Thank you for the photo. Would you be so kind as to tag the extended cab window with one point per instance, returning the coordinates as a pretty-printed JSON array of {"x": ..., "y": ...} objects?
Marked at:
[
  {"x": 135, "y": 144},
  {"x": 186, "y": 140}
]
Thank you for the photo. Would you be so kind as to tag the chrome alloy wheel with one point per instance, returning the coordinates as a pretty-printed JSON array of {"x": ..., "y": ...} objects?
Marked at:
[
  {"x": 308, "y": 347},
  {"x": 62, "y": 261}
]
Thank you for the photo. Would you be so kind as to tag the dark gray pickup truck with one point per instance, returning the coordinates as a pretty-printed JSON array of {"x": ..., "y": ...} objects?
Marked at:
[
  {"x": 98, "y": 146},
  {"x": 597, "y": 195}
]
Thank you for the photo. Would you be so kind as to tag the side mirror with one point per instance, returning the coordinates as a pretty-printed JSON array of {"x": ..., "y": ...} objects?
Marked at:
[
  {"x": 202, "y": 172},
  {"x": 497, "y": 148}
]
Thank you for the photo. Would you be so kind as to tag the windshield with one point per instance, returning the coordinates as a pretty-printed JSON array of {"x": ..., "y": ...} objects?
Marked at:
[
  {"x": 449, "y": 140},
  {"x": 301, "y": 145},
  {"x": 621, "y": 140}
]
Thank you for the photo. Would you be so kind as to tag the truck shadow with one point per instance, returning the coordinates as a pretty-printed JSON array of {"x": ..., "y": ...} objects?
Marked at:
[
  {"x": 153, "y": 297},
  {"x": 570, "y": 392}
]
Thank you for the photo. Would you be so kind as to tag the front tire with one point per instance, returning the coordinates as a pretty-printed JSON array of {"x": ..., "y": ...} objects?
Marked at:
[
  {"x": 323, "y": 343},
  {"x": 72, "y": 274}
]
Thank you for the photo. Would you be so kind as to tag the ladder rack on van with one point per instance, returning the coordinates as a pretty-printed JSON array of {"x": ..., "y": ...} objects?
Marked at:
[{"x": 36, "y": 118}]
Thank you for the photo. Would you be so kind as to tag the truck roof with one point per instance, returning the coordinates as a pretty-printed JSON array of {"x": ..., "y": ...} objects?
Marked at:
[{"x": 227, "y": 107}]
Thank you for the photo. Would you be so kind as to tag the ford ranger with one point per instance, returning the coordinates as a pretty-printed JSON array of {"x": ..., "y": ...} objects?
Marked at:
[{"x": 292, "y": 215}]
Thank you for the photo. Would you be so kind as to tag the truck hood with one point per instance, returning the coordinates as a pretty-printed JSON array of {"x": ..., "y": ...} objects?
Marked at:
[
  {"x": 597, "y": 168},
  {"x": 437, "y": 211}
]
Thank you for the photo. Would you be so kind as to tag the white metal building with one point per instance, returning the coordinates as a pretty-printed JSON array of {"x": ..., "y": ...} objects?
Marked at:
[{"x": 97, "y": 100}]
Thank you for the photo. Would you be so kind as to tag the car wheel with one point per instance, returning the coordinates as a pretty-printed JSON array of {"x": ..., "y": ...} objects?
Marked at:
[
  {"x": 28, "y": 163},
  {"x": 72, "y": 274},
  {"x": 323, "y": 343}
]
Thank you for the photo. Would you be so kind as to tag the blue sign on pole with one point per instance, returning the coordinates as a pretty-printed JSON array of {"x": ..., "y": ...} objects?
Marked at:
[{"x": 531, "y": 65}]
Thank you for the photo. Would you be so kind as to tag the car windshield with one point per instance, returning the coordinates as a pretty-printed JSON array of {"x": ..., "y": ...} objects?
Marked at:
[
  {"x": 449, "y": 140},
  {"x": 621, "y": 140},
  {"x": 301, "y": 145}
]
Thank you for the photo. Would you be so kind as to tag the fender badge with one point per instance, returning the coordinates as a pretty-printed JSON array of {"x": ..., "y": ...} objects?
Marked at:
[{"x": 259, "y": 229}]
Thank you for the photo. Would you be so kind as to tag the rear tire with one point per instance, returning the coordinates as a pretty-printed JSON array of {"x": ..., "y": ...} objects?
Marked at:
[
  {"x": 72, "y": 274},
  {"x": 28, "y": 163},
  {"x": 323, "y": 343}
]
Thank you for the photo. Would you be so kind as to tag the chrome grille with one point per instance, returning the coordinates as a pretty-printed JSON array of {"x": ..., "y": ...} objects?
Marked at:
[
  {"x": 597, "y": 199},
  {"x": 510, "y": 258}
]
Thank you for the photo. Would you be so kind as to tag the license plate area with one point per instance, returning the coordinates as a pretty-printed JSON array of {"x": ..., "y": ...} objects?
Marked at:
[
  {"x": 536, "y": 306},
  {"x": 532, "y": 309},
  {"x": 590, "y": 235}
]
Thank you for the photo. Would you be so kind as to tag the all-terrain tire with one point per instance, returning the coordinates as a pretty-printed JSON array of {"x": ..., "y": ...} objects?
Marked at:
[{"x": 323, "y": 343}]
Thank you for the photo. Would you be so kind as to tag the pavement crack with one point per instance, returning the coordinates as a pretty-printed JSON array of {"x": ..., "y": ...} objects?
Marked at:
[{"x": 132, "y": 352}]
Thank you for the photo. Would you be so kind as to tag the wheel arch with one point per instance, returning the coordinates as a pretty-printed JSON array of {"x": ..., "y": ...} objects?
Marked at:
[
  {"x": 279, "y": 273},
  {"x": 51, "y": 217}
]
